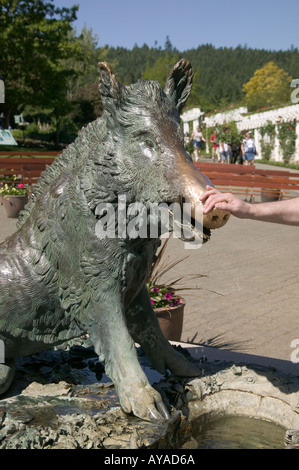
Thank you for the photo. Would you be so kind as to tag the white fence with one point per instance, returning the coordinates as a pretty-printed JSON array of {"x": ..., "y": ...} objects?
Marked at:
[
  {"x": 251, "y": 122},
  {"x": 193, "y": 115}
]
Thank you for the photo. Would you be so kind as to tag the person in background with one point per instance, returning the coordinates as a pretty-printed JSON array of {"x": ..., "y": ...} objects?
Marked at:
[
  {"x": 197, "y": 138},
  {"x": 223, "y": 151},
  {"x": 215, "y": 147},
  {"x": 248, "y": 149},
  {"x": 236, "y": 154}
]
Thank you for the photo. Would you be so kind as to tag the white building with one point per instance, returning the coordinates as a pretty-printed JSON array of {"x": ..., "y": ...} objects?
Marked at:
[
  {"x": 193, "y": 115},
  {"x": 251, "y": 122}
]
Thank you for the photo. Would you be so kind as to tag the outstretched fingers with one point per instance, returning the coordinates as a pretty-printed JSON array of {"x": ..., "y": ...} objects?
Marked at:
[
  {"x": 226, "y": 201},
  {"x": 214, "y": 198},
  {"x": 217, "y": 202}
]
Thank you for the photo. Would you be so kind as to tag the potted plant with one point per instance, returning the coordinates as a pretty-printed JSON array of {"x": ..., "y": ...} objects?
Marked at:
[
  {"x": 14, "y": 199},
  {"x": 168, "y": 305}
]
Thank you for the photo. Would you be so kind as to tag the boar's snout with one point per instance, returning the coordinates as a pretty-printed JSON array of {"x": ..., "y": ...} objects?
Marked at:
[
  {"x": 195, "y": 184},
  {"x": 215, "y": 219}
]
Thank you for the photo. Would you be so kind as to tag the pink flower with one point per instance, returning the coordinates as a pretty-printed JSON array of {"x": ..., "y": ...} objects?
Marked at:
[
  {"x": 152, "y": 302},
  {"x": 156, "y": 290},
  {"x": 21, "y": 186},
  {"x": 168, "y": 296}
]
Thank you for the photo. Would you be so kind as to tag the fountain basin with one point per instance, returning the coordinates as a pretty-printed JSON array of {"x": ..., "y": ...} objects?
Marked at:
[{"x": 57, "y": 402}]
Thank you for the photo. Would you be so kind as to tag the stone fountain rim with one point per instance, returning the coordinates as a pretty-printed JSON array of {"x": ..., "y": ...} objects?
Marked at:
[{"x": 224, "y": 378}]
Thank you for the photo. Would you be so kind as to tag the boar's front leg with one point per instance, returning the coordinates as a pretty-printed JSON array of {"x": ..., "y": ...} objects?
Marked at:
[
  {"x": 144, "y": 328},
  {"x": 116, "y": 348}
]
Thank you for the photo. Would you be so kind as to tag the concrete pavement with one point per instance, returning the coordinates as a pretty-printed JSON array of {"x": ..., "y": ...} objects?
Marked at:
[{"x": 249, "y": 301}]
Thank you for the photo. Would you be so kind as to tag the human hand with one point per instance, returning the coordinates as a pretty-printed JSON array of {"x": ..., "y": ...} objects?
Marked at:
[{"x": 225, "y": 201}]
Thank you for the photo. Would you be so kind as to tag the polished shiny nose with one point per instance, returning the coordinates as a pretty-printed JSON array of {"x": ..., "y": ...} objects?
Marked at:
[
  {"x": 216, "y": 218},
  {"x": 194, "y": 185}
]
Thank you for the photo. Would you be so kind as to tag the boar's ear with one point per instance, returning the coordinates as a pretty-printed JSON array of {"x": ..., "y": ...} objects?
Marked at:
[
  {"x": 179, "y": 83},
  {"x": 109, "y": 86}
]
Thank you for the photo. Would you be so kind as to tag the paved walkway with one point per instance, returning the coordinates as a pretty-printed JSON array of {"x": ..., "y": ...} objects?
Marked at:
[{"x": 250, "y": 300}]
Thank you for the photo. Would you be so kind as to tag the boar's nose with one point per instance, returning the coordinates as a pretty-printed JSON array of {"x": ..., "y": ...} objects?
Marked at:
[
  {"x": 193, "y": 184},
  {"x": 216, "y": 218}
]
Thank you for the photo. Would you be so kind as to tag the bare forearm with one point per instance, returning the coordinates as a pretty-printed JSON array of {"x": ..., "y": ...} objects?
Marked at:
[{"x": 280, "y": 212}]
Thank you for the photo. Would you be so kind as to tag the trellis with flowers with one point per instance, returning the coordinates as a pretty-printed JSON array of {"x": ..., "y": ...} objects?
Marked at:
[
  {"x": 287, "y": 138},
  {"x": 285, "y": 121}
]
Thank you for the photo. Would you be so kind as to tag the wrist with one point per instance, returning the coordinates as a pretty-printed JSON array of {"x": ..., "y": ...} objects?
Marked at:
[{"x": 250, "y": 212}]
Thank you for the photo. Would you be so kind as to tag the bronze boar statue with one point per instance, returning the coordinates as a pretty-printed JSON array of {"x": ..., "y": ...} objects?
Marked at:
[{"x": 60, "y": 280}]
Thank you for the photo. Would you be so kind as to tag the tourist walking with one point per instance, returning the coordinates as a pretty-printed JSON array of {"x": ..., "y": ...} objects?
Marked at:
[
  {"x": 225, "y": 152},
  {"x": 197, "y": 138},
  {"x": 248, "y": 149},
  {"x": 215, "y": 148}
]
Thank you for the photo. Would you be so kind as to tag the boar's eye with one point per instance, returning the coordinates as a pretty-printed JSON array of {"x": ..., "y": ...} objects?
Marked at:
[{"x": 149, "y": 144}]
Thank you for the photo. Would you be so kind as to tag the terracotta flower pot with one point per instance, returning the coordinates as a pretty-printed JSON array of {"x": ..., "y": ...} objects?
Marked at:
[
  {"x": 171, "y": 320},
  {"x": 14, "y": 204}
]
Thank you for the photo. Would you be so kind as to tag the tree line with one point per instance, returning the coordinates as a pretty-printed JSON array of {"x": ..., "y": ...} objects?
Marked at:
[
  {"x": 50, "y": 70},
  {"x": 220, "y": 73}
]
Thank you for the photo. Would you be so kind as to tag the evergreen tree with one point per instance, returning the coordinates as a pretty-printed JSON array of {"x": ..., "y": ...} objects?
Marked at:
[
  {"x": 160, "y": 70},
  {"x": 34, "y": 40}
]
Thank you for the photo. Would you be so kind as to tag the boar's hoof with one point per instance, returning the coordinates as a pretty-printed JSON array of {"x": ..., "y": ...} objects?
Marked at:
[
  {"x": 215, "y": 219},
  {"x": 147, "y": 404}
]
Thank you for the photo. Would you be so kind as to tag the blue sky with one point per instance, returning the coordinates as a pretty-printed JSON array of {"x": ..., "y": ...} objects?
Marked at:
[{"x": 259, "y": 24}]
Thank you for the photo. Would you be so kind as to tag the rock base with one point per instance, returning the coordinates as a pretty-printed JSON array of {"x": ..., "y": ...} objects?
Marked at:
[{"x": 63, "y": 400}]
